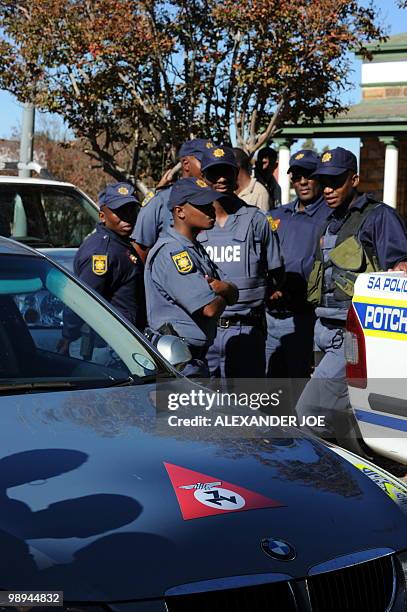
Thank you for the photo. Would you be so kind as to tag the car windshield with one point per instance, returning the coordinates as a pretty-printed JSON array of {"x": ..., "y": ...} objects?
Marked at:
[
  {"x": 45, "y": 215},
  {"x": 36, "y": 301}
]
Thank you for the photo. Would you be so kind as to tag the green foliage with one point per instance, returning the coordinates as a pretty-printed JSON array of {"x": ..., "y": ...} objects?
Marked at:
[{"x": 135, "y": 78}]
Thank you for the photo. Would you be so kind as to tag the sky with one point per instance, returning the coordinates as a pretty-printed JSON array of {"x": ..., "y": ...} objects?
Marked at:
[{"x": 393, "y": 17}]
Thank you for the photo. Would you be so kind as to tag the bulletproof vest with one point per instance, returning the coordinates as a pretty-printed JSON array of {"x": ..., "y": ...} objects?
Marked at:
[
  {"x": 237, "y": 253},
  {"x": 339, "y": 259}
]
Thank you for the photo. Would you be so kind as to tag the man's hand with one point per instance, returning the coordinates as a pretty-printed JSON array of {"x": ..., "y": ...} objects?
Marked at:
[
  {"x": 63, "y": 346},
  {"x": 168, "y": 177},
  {"x": 226, "y": 290},
  {"x": 276, "y": 295},
  {"x": 165, "y": 180},
  {"x": 400, "y": 267}
]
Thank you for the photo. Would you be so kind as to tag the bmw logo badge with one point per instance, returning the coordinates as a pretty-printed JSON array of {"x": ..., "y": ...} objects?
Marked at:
[{"x": 278, "y": 549}]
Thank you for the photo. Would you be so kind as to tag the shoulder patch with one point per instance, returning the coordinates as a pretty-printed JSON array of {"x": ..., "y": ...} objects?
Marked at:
[
  {"x": 99, "y": 264},
  {"x": 274, "y": 223},
  {"x": 183, "y": 262},
  {"x": 149, "y": 196}
]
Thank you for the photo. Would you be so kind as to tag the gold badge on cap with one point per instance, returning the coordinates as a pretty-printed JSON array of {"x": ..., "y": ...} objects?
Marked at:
[
  {"x": 209, "y": 145},
  {"x": 274, "y": 223},
  {"x": 326, "y": 157},
  {"x": 123, "y": 191},
  {"x": 183, "y": 262},
  {"x": 201, "y": 183},
  {"x": 218, "y": 153},
  {"x": 99, "y": 264},
  {"x": 299, "y": 156}
]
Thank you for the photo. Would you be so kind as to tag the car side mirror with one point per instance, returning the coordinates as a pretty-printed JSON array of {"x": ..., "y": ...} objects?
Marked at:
[{"x": 174, "y": 350}]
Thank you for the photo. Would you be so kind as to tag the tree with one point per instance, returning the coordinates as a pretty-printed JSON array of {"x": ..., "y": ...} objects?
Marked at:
[
  {"x": 310, "y": 145},
  {"x": 135, "y": 78},
  {"x": 67, "y": 161}
]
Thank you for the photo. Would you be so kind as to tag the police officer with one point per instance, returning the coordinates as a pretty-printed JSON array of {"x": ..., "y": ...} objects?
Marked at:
[
  {"x": 360, "y": 235},
  {"x": 290, "y": 319},
  {"x": 155, "y": 215},
  {"x": 185, "y": 290},
  {"x": 245, "y": 248},
  {"x": 107, "y": 262}
]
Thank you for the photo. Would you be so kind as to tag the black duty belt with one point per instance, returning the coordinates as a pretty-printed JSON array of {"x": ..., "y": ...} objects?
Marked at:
[
  {"x": 333, "y": 323},
  {"x": 198, "y": 352},
  {"x": 253, "y": 319}
]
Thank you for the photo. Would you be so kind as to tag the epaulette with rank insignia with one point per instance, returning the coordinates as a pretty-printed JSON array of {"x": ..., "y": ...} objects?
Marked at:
[
  {"x": 149, "y": 196},
  {"x": 274, "y": 223}
]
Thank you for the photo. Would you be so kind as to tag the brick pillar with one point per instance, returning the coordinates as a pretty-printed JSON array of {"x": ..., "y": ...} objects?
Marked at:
[{"x": 372, "y": 158}]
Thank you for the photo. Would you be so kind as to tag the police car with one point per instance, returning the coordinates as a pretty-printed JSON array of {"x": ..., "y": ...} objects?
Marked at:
[
  {"x": 376, "y": 354},
  {"x": 50, "y": 215},
  {"x": 104, "y": 501}
]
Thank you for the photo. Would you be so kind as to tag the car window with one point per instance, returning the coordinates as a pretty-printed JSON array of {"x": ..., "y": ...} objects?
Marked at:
[
  {"x": 35, "y": 299},
  {"x": 44, "y": 215}
]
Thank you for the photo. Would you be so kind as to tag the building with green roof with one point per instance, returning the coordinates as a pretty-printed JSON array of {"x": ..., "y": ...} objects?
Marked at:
[{"x": 379, "y": 120}]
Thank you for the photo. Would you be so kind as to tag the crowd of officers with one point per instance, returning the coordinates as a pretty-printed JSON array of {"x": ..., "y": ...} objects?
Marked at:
[{"x": 251, "y": 286}]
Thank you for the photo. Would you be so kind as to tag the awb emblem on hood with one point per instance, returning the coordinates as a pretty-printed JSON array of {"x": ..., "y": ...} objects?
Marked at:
[
  {"x": 200, "y": 495},
  {"x": 278, "y": 549}
]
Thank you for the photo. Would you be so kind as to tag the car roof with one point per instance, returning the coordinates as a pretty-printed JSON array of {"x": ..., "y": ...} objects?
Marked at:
[
  {"x": 33, "y": 181},
  {"x": 18, "y": 180},
  {"x": 11, "y": 247}
]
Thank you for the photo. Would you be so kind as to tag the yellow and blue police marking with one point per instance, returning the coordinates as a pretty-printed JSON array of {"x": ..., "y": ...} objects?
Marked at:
[
  {"x": 382, "y": 317},
  {"x": 373, "y": 418}
]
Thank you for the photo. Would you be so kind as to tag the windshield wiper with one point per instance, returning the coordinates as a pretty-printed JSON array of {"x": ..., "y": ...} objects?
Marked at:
[
  {"x": 124, "y": 382},
  {"x": 39, "y": 386},
  {"x": 63, "y": 385}
]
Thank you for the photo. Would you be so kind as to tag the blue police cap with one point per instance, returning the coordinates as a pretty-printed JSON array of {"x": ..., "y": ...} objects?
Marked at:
[
  {"x": 116, "y": 195},
  {"x": 218, "y": 155},
  {"x": 305, "y": 159},
  {"x": 195, "y": 148},
  {"x": 192, "y": 190},
  {"x": 335, "y": 162}
]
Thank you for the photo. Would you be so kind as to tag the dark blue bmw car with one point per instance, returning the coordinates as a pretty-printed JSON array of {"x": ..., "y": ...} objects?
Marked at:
[{"x": 102, "y": 500}]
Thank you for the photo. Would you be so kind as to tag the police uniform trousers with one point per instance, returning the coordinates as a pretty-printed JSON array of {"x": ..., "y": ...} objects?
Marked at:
[
  {"x": 326, "y": 393},
  {"x": 289, "y": 344},
  {"x": 238, "y": 350}
]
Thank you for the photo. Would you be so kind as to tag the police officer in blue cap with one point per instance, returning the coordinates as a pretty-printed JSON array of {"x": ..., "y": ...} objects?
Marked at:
[
  {"x": 155, "y": 214},
  {"x": 244, "y": 247},
  {"x": 290, "y": 319},
  {"x": 360, "y": 235},
  {"x": 107, "y": 262},
  {"x": 185, "y": 290}
]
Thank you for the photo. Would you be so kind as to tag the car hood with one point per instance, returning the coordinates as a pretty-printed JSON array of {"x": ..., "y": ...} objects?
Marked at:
[{"x": 89, "y": 499}]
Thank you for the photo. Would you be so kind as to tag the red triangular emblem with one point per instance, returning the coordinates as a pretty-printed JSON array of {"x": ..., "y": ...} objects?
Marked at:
[{"x": 202, "y": 495}]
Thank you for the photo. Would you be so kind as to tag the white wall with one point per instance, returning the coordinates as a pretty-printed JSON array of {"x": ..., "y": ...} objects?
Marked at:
[{"x": 384, "y": 72}]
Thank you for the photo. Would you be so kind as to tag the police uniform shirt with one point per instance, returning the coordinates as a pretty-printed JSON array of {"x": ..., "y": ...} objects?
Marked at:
[
  {"x": 383, "y": 230},
  {"x": 297, "y": 232},
  {"x": 153, "y": 217},
  {"x": 107, "y": 263},
  {"x": 176, "y": 288},
  {"x": 246, "y": 261}
]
